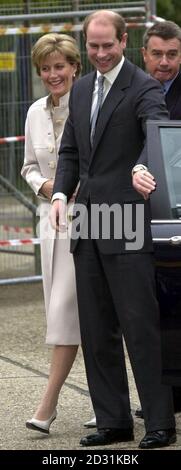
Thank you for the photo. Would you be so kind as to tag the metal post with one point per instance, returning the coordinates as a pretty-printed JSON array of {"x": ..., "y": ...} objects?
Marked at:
[
  {"x": 150, "y": 9},
  {"x": 27, "y": 92},
  {"x": 75, "y": 6},
  {"x": 153, "y": 7},
  {"x": 36, "y": 247}
]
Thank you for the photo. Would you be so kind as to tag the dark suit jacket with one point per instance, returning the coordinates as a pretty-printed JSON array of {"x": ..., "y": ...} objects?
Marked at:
[
  {"x": 105, "y": 170},
  {"x": 173, "y": 98}
]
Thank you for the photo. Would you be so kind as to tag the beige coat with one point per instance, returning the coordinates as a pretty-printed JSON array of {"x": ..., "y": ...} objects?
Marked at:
[{"x": 43, "y": 132}]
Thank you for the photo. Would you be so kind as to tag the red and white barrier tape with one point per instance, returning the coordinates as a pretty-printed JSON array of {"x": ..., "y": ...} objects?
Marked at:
[
  {"x": 42, "y": 28},
  {"x": 19, "y": 138},
  {"x": 61, "y": 27},
  {"x": 28, "y": 241},
  {"x": 9, "y": 228}
]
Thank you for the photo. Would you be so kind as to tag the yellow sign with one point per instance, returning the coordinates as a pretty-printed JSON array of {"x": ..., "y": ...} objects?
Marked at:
[{"x": 7, "y": 61}]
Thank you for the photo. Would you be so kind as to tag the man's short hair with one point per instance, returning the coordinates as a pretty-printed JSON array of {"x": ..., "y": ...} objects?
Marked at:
[
  {"x": 164, "y": 30},
  {"x": 104, "y": 16}
]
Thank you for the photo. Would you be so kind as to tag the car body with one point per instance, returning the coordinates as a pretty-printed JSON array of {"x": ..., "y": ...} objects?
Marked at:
[{"x": 164, "y": 161}]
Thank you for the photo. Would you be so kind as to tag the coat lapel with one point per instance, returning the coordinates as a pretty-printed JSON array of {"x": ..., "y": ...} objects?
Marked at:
[
  {"x": 114, "y": 97},
  {"x": 171, "y": 97},
  {"x": 86, "y": 93}
]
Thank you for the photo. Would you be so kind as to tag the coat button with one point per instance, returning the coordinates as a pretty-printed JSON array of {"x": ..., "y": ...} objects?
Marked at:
[
  {"x": 51, "y": 148},
  {"x": 52, "y": 165}
]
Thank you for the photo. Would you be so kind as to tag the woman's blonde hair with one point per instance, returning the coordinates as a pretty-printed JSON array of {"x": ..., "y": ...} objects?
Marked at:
[{"x": 54, "y": 42}]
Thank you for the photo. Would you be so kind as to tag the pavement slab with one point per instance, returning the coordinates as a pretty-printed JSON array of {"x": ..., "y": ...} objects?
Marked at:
[{"x": 24, "y": 366}]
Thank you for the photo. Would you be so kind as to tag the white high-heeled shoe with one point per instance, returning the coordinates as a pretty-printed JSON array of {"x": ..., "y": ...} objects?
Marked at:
[
  {"x": 91, "y": 424},
  {"x": 39, "y": 425}
]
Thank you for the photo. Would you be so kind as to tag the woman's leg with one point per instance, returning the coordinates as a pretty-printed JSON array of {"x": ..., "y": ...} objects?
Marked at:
[{"x": 61, "y": 363}]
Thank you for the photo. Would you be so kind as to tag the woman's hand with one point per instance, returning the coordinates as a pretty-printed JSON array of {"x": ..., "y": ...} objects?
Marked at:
[{"x": 47, "y": 189}]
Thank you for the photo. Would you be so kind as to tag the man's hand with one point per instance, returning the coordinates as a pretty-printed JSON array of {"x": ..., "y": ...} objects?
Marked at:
[
  {"x": 58, "y": 215},
  {"x": 144, "y": 183}
]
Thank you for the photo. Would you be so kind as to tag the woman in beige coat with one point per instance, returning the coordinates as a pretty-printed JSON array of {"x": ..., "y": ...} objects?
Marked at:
[{"x": 57, "y": 60}]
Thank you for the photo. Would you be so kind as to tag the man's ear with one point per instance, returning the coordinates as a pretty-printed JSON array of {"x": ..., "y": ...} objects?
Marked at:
[
  {"x": 143, "y": 51},
  {"x": 124, "y": 40}
]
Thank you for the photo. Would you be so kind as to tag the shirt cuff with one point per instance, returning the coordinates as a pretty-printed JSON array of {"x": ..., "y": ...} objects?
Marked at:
[
  {"x": 139, "y": 167},
  {"x": 61, "y": 196}
]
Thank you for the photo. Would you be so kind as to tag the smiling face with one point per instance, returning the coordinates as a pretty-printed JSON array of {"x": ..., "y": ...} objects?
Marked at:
[
  {"x": 57, "y": 75},
  {"x": 162, "y": 58},
  {"x": 104, "y": 49}
]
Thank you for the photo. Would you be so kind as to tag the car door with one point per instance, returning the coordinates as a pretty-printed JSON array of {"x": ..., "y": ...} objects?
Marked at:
[{"x": 164, "y": 161}]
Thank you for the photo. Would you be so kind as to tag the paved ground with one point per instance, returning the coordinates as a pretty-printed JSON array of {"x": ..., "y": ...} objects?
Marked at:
[{"x": 24, "y": 362}]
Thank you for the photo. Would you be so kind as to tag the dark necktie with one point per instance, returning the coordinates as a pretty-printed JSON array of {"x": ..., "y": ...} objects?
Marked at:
[
  {"x": 164, "y": 88},
  {"x": 97, "y": 108}
]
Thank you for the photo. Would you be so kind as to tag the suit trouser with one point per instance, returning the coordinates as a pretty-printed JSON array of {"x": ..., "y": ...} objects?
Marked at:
[{"x": 116, "y": 295}]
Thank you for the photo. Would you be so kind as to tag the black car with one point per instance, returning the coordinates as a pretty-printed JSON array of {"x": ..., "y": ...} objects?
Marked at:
[{"x": 164, "y": 161}]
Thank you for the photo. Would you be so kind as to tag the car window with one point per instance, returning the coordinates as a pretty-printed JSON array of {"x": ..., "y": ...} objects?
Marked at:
[
  {"x": 171, "y": 150},
  {"x": 164, "y": 162}
]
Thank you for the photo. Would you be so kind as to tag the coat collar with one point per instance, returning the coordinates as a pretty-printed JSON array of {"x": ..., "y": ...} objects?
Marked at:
[
  {"x": 172, "y": 96},
  {"x": 63, "y": 102}
]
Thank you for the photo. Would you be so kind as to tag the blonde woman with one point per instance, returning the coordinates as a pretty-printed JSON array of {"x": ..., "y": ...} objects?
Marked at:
[{"x": 57, "y": 61}]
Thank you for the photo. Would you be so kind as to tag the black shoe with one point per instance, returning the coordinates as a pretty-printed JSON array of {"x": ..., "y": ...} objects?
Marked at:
[
  {"x": 107, "y": 436},
  {"x": 139, "y": 413},
  {"x": 160, "y": 438}
]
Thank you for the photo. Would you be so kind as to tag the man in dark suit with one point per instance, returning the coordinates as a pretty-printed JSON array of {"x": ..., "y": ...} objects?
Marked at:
[
  {"x": 113, "y": 258},
  {"x": 162, "y": 56}
]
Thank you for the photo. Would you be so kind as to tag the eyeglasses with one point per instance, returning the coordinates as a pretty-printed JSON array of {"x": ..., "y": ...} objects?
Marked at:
[{"x": 170, "y": 55}]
